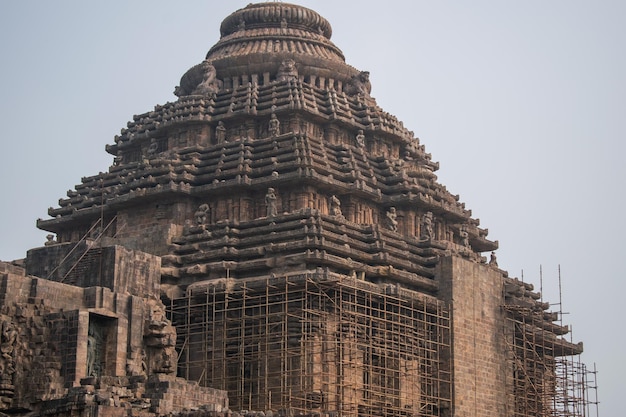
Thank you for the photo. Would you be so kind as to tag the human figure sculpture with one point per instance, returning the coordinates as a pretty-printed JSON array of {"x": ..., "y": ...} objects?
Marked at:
[
  {"x": 220, "y": 132},
  {"x": 274, "y": 127},
  {"x": 391, "y": 219},
  {"x": 335, "y": 206},
  {"x": 493, "y": 260},
  {"x": 8, "y": 340},
  {"x": 93, "y": 368},
  {"x": 270, "y": 202},
  {"x": 427, "y": 226},
  {"x": 50, "y": 240},
  {"x": 202, "y": 214},
  {"x": 360, "y": 139}
]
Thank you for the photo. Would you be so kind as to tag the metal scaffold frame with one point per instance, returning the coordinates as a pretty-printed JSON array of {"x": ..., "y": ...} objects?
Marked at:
[
  {"x": 548, "y": 378},
  {"x": 306, "y": 345}
]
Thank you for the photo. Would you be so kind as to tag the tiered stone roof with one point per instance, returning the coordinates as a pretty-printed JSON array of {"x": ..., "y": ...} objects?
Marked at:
[{"x": 333, "y": 138}]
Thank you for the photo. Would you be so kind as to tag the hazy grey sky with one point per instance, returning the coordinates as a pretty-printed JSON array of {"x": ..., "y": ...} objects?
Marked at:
[{"x": 522, "y": 103}]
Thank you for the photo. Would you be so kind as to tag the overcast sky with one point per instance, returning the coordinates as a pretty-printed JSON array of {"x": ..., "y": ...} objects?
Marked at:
[{"x": 523, "y": 103}]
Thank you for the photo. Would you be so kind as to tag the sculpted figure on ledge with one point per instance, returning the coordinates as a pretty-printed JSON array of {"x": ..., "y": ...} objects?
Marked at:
[
  {"x": 287, "y": 71},
  {"x": 427, "y": 226},
  {"x": 360, "y": 139},
  {"x": 359, "y": 85},
  {"x": 391, "y": 219},
  {"x": 200, "y": 79},
  {"x": 220, "y": 132},
  {"x": 270, "y": 202},
  {"x": 335, "y": 206},
  {"x": 274, "y": 126},
  {"x": 202, "y": 214}
]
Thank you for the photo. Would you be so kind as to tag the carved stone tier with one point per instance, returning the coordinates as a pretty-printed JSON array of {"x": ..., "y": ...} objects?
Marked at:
[
  {"x": 250, "y": 99},
  {"x": 257, "y": 38},
  {"x": 327, "y": 161},
  {"x": 306, "y": 239}
]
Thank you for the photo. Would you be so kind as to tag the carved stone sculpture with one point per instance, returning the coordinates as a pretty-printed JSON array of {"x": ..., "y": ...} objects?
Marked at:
[
  {"x": 270, "y": 202},
  {"x": 287, "y": 71},
  {"x": 93, "y": 351},
  {"x": 427, "y": 226},
  {"x": 160, "y": 340},
  {"x": 8, "y": 340},
  {"x": 493, "y": 259},
  {"x": 359, "y": 85},
  {"x": 391, "y": 219},
  {"x": 274, "y": 126},
  {"x": 220, "y": 132},
  {"x": 335, "y": 206},
  {"x": 199, "y": 80},
  {"x": 360, "y": 139},
  {"x": 201, "y": 215}
]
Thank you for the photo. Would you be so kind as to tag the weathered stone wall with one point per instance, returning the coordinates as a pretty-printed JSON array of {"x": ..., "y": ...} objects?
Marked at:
[
  {"x": 86, "y": 265},
  {"x": 41, "y": 353},
  {"x": 168, "y": 394},
  {"x": 478, "y": 346},
  {"x": 151, "y": 228},
  {"x": 68, "y": 350}
]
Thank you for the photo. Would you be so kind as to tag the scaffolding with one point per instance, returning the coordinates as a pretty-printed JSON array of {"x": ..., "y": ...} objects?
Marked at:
[
  {"x": 547, "y": 378},
  {"x": 316, "y": 342}
]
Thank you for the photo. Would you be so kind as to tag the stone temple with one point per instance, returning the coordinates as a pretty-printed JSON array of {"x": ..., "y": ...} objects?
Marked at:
[{"x": 273, "y": 243}]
